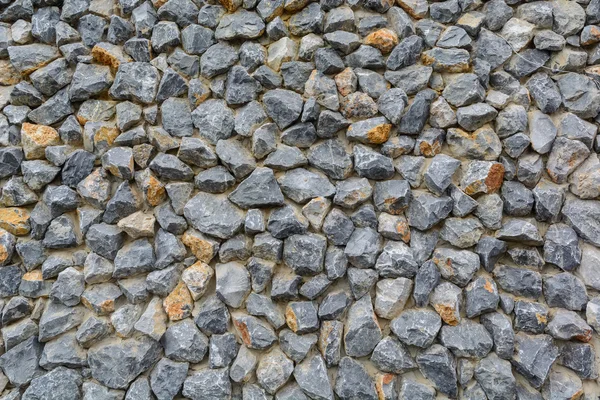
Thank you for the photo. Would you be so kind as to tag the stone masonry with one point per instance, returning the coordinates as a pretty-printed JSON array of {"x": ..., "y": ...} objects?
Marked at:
[{"x": 299, "y": 199}]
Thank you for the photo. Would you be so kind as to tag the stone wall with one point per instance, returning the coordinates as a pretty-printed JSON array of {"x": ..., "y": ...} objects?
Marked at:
[{"x": 289, "y": 200}]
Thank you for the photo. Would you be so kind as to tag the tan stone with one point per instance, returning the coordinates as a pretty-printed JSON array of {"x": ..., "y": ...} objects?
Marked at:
[
  {"x": 8, "y": 74},
  {"x": 203, "y": 249},
  {"x": 109, "y": 54},
  {"x": 415, "y": 8},
  {"x": 156, "y": 191},
  {"x": 346, "y": 82},
  {"x": 383, "y": 39},
  {"x": 138, "y": 225},
  {"x": 15, "y": 220},
  {"x": 35, "y": 139},
  {"x": 231, "y": 5},
  {"x": 379, "y": 134},
  {"x": 197, "y": 277}
]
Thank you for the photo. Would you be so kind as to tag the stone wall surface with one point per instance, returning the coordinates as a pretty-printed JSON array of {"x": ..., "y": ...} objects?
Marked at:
[{"x": 299, "y": 200}]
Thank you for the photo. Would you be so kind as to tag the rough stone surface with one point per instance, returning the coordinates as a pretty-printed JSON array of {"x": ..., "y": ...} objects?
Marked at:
[{"x": 290, "y": 199}]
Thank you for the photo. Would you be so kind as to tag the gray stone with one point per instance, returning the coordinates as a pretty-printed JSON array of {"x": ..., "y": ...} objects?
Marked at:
[
  {"x": 222, "y": 350},
  {"x": 21, "y": 363},
  {"x": 61, "y": 382},
  {"x": 417, "y": 327},
  {"x": 362, "y": 332},
  {"x": 518, "y": 281},
  {"x": 580, "y": 358},
  {"x": 568, "y": 325},
  {"x": 438, "y": 365},
  {"x": 534, "y": 355},
  {"x": 467, "y": 339},
  {"x": 411, "y": 389},
  {"x": 260, "y": 189},
  {"x": 353, "y": 381},
  {"x": 573, "y": 211},
  {"x": 305, "y": 253},
  {"x": 495, "y": 377},
  {"x": 296, "y": 346},
  {"x": 417, "y": 113},
  {"x": 135, "y": 81},
  {"x": 530, "y": 316},
  {"x": 208, "y": 384},
  {"x": 500, "y": 328},
  {"x": 426, "y": 210}
]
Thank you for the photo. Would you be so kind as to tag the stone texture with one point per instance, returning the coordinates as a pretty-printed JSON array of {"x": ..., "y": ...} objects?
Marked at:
[{"x": 413, "y": 183}]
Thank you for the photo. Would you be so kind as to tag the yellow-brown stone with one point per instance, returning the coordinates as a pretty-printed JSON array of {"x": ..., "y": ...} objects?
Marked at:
[
  {"x": 4, "y": 254},
  {"x": 415, "y": 8},
  {"x": 159, "y": 3},
  {"x": 291, "y": 319},
  {"x": 203, "y": 249},
  {"x": 35, "y": 139},
  {"x": 403, "y": 230},
  {"x": 381, "y": 381},
  {"x": 439, "y": 66},
  {"x": 231, "y": 5},
  {"x": 430, "y": 149},
  {"x": 383, "y": 39},
  {"x": 593, "y": 36},
  {"x": 15, "y": 220},
  {"x": 178, "y": 304},
  {"x": 447, "y": 314},
  {"x": 109, "y": 54},
  {"x": 379, "y": 134},
  {"x": 8, "y": 74},
  {"x": 105, "y": 136},
  {"x": 155, "y": 191},
  {"x": 33, "y": 276},
  {"x": 104, "y": 308}
]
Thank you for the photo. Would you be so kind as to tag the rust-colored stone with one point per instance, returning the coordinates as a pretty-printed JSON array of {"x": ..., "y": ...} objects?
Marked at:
[
  {"x": 495, "y": 178},
  {"x": 243, "y": 331},
  {"x": 403, "y": 230},
  {"x": 585, "y": 337},
  {"x": 178, "y": 304},
  {"x": 382, "y": 380}
]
